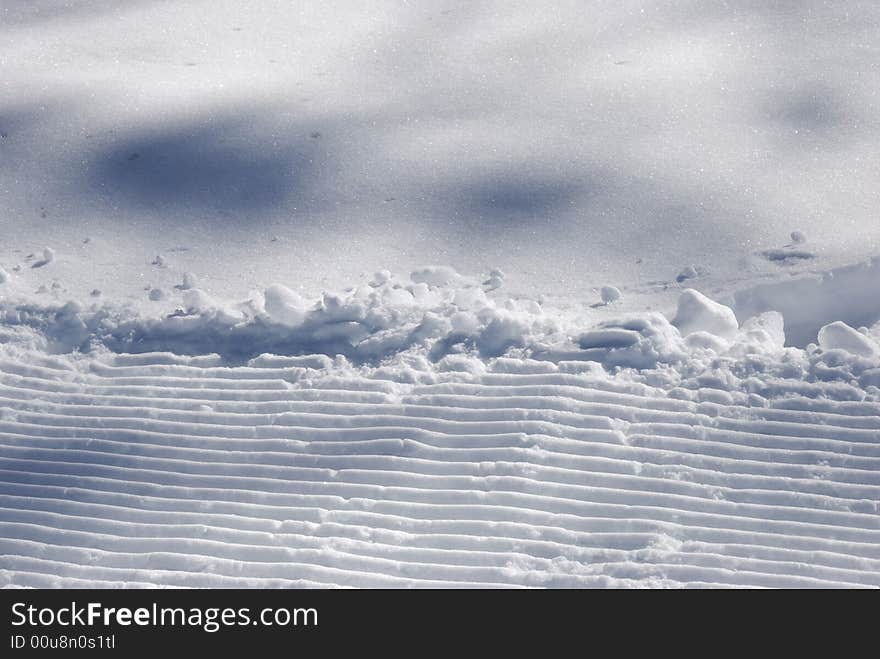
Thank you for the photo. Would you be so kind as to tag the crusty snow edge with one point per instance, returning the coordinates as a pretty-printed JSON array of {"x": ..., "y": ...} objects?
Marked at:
[{"x": 436, "y": 311}]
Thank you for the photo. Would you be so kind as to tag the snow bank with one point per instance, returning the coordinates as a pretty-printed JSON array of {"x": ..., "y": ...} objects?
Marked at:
[
  {"x": 848, "y": 294},
  {"x": 435, "y": 308},
  {"x": 438, "y": 313}
]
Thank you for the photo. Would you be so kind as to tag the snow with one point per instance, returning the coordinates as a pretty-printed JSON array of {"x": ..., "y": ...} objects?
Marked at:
[
  {"x": 840, "y": 336},
  {"x": 810, "y": 301},
  {"x": 610, "y": 294},
  {"x": 169, "y": 470},
  {"x": 689, "y": 272},
  {"x": 224, "y": 360},
  {"x": 435, "y": 276},
  {"x": 697, "y": 313},
  {"x": 369, "y": 324},
  {"x": 597, "y": 142},
  {"x": 189, "y": 282},
  {"x": 608, "y": 338},
  {"x": 495, "y": 280},
  {"x": 48, "y": 257},
  {"x": 285, "y": 306},
  {"x": 766, "y": 329}
]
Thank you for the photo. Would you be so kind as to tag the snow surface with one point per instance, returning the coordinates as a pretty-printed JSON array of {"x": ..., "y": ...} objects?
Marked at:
[
  {"x": 697, "y": 313},
  {"x": 407, "y": 433},
  {"x": 840, "y": 336},
  {"x": 312, "y": 143},
  {"x": 644, "y": 351}
]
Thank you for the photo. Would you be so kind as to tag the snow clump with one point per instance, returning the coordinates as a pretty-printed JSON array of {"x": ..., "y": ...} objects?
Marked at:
[
  {"x": 609, "y": 294},
  {"x": 840, "y": 336},
  {"x": 285, "y": 306},
  {"x": 697, "y": 313}
]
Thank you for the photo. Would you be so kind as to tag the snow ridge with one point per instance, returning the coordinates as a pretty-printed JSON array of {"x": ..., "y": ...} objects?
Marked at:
[
  {"x": 436, "y": 310},
  {"x": 158, "y": 469}
]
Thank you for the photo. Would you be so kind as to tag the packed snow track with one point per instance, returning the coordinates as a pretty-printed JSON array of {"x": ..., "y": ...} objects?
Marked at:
[{"x": 153, "y": 469}]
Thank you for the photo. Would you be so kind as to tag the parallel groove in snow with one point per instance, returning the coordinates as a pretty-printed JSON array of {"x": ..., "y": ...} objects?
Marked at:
[
  {"x": 584, "y": 392},
  {"x": 163, "y": 524},
  {"x": 325, "y": 467},
  {"x": 604, "y": 486},
  {"x": 148, "y": 469}
]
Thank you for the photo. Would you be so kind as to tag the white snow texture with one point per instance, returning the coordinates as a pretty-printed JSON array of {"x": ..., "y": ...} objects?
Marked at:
[
  {"x": 415, "y": 432},
  {"x": 647, "y": 353}
]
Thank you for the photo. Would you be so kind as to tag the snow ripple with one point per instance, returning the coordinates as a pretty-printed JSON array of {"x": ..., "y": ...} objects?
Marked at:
[{"x": 158, "y": 469}]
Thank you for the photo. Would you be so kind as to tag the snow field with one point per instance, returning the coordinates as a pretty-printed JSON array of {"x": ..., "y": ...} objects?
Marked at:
[
  {"x": 615, "y": 143},
  {"x": 674, "y": 381},
  {"x": 629, "y": 455}
]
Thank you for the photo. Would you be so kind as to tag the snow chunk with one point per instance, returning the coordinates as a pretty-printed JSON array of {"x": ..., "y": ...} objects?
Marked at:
[
  {"x": 610, "y": 294},
  {"x": 797, "y": 237},
  {"x": 4, "y": 276},
  {"x": 285, "y": 306},
  {"x": 697, "y": 313},
  {"x": 840, "y": 336},
  {"x": 157, "y": 294}
]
